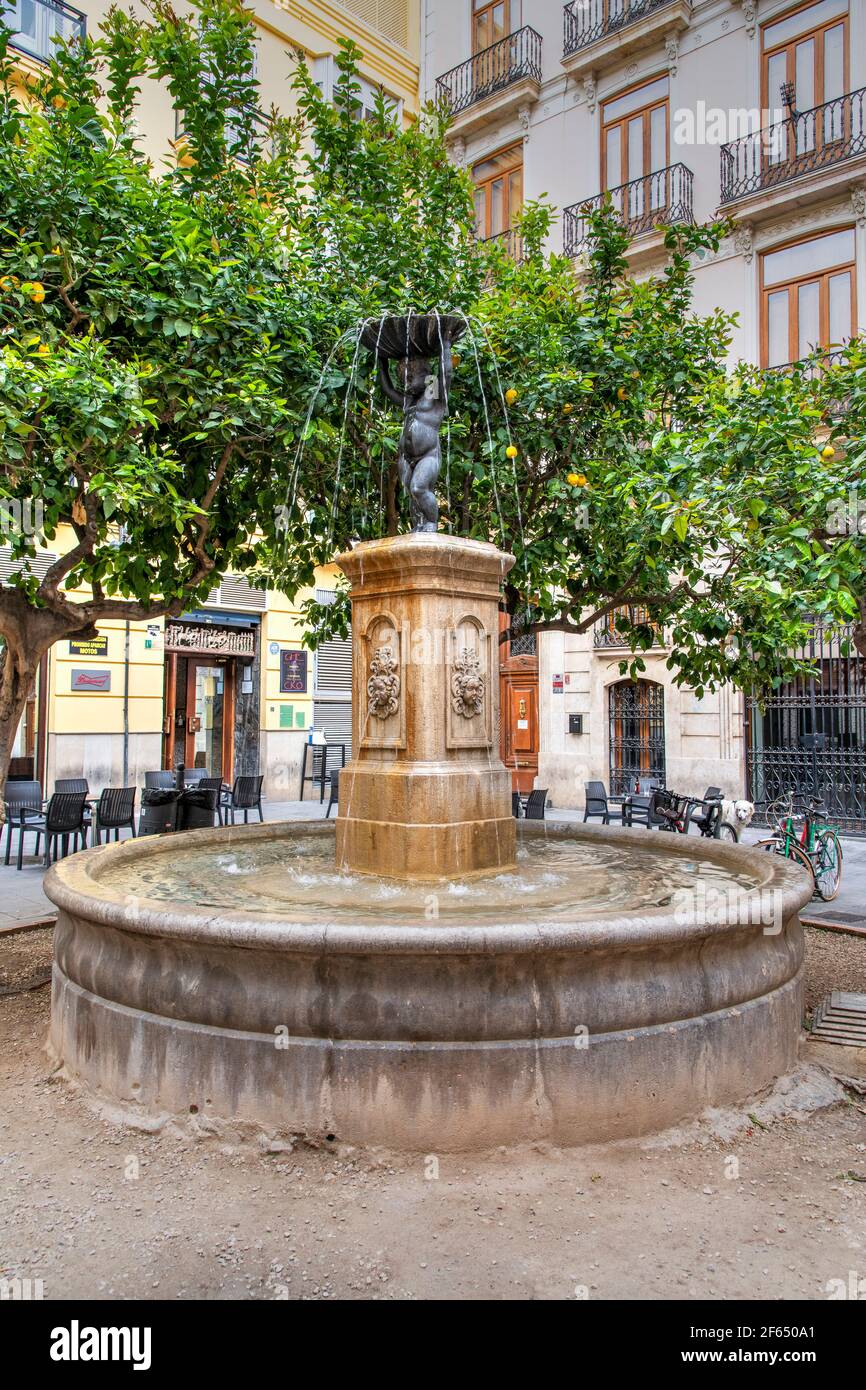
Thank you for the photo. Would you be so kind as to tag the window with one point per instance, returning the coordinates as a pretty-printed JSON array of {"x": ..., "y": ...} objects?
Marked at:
[
  {"x": 807, "y": 52},
  {"x": 808, "y": 297},
  {"x": 498, "y": 191},
  {"x": 635, "y": 134},
  {"x": 493, "y": 20},
  {"x": 637, "y": 734},
  {"x": 37, "y": 24},
  {"x": 325, "y": 76}
]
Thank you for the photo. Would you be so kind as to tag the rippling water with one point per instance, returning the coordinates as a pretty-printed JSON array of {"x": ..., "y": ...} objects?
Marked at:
[{"x": 294, "y": 876}]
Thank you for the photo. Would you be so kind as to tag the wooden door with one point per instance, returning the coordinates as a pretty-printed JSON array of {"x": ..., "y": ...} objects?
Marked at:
[
  {"x": 210, "y": 715},
  {"x": 518, "y": 709}
]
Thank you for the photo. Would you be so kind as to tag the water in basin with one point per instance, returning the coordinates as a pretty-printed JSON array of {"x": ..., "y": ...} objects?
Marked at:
[{"x": 293, "y": 875}]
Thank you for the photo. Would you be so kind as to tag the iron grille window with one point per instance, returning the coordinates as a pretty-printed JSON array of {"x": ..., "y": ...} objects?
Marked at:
[
  {"x": 809, "y": 735},
  {"x": 637, "y": 733},
  {"x": 526, "y": 645}
]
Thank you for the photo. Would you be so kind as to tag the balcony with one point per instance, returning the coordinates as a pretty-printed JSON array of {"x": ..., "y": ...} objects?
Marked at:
[
  {"x": 511, "y": 242},
  {"x": 660, "y": 199},
  {"x": 35, "y": 25},
  {"x": 606, "y": 633},
  {"x": 597, "y": 31},
  {"x": 799, "y": 160},
  {"x": 493, "y": 84}
]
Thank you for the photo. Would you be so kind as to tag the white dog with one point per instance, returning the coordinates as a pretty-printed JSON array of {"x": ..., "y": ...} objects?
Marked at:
[{"x": 738, "y": 814}]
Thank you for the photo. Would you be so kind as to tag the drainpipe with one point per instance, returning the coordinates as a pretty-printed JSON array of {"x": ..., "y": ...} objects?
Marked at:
[{"x": 126, "y": 707}]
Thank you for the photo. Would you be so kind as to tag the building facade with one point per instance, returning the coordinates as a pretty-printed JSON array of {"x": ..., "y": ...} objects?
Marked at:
[
  {"x": 682, "y": 109},
  {"x": 229, "y": 686}
]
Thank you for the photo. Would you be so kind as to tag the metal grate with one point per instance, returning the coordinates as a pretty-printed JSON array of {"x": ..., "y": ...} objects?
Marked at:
[
  {"x": 809, "y": 735},
  {"x": 39, "y": 565},
  {"x": 832, "y": 919},
  {"x": 841, "y": 1018}
]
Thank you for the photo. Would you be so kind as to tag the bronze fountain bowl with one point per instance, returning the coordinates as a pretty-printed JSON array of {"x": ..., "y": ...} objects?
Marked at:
[{"x": 415, "y": 335}]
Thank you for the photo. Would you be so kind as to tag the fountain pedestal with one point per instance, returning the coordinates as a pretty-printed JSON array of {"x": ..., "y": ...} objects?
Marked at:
[{"x": 425, "y": 795}]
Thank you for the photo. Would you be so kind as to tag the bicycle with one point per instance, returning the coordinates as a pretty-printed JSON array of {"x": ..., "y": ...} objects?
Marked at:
[
  {"x": 817, "y": 848},
  {"x": 674, "y": 812}
]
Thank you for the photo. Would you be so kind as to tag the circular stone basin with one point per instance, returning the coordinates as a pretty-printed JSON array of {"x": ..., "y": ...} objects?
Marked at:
[{"x": 611, "y": 983}]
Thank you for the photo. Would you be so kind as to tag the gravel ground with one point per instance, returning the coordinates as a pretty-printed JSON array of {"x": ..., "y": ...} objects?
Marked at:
[
  {"x": 834, "y": 960},
  {"x": 765, "y": 1202},
  {"x": 25, "y": 960}
]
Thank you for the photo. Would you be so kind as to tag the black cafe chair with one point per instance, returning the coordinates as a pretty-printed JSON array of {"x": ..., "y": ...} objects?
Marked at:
[
  {"x": 246, "y": 796},
  {"x": 64, "y": 820},
  {"x": 115, "y": 810},
  {"x": 163, "y": 780},
  {"x": 535, "y": 805},
  {"x": 223, "y": 795},
  {"x": 597, "y": 804},
  {"x": 23, "y": 803},
  {"x": 704, "y": 808}
]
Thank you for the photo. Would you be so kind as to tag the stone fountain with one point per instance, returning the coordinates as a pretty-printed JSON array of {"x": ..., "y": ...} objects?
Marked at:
[{"x": 424, "y": 976}]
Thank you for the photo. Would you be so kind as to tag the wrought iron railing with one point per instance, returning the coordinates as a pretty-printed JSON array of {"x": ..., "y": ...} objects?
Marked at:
[
  {"x": 806, "y": 141},
  {"x": 662, "y": 198},
  {"x": 511, "y": 242},
  {"x": 36, "y": 23},
  {"x": 501, "y": 65},
  {"x": 607, "y": 634},
  {"x": 586, "y": 21},
  {"x": 810, "y": 366}
]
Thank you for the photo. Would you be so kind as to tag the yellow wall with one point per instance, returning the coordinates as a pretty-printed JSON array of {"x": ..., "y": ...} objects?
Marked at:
[{"x": 312, "y": 26}]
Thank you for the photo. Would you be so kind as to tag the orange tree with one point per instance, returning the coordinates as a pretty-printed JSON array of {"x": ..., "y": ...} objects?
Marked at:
[{"x": 153, "y": 348}]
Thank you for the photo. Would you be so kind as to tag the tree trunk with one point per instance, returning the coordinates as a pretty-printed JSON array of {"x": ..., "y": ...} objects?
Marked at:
[
  {"x": 16, "y": 682},
  {"x": 28, "y": 633}
]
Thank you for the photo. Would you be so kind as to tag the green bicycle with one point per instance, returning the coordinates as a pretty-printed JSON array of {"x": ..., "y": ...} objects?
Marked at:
[{"x": 807, "y": 840}]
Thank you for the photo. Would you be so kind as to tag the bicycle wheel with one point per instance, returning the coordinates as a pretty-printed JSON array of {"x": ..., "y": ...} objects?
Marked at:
[
  {"x": 727, "y": 833},
  {"x": 827, "y": 864},
  {"x": 795, "y": 855}
]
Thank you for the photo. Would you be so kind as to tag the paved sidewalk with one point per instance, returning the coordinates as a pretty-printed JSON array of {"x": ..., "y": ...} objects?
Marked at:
[{"x": 22, "y": 900}]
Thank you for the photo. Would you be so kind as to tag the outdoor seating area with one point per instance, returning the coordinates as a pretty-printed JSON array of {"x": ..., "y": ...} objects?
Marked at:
[
  {"x": 49, "y": 828},
  {"x": 658, "y": 808}
]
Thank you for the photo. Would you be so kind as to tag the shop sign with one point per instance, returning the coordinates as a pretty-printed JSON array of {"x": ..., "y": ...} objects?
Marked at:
[
  {"x": 209, "y": 639},
  {"x": 89, "y": 646},
  {"x": 91, "y": 682},
  {"x": 293, "y": 672}
]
